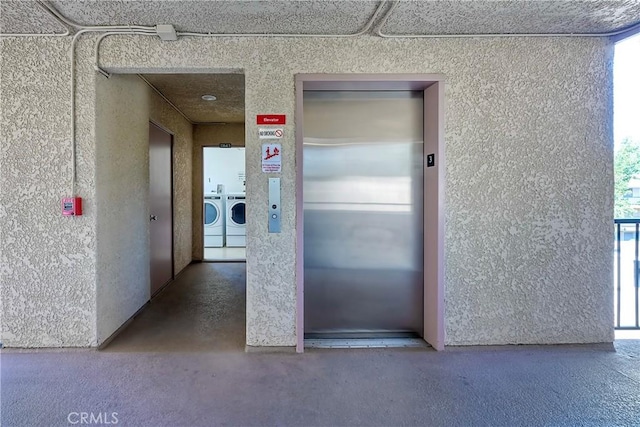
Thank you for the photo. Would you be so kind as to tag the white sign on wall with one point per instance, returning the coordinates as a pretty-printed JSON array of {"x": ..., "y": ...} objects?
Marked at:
[
  {"x": 224, "y": 167},
  {"x": 270, "y": 133},
  {"x": 272, "y": 158}
]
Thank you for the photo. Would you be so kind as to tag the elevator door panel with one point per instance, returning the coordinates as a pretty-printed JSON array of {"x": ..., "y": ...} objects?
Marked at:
[{"x": 363, "y": 218}]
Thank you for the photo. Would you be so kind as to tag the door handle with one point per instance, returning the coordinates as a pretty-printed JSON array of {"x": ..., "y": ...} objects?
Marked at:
[{"x": 153, "y": 217}]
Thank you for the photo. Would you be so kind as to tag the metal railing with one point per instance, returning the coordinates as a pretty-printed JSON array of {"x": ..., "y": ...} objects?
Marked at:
[{"x": 627, "y": 274}]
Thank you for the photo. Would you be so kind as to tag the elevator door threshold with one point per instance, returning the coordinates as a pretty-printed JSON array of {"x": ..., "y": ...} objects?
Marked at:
[{"x": 365, "y": 343}]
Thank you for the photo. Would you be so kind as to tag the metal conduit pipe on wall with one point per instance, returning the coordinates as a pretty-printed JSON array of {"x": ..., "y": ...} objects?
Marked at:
[
  {"x": 73, "y": 88},
  {"x": 152, "y": 30},
  {"x": 82, "y": 29},
  {"x": 364, "y": 30},
  {"x": 144, "y": 30}
]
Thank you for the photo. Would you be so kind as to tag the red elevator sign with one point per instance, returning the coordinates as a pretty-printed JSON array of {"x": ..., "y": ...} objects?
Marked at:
[{"x": 271, "y": 119}]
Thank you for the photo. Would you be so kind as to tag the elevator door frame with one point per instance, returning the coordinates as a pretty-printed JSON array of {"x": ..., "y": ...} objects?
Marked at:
[{"x": 432, "y": 86}]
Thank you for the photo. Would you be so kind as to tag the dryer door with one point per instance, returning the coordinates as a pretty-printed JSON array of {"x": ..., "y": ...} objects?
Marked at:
[
  {"x": 211, "y": 214},
  {"x": 237, "y": 213}
]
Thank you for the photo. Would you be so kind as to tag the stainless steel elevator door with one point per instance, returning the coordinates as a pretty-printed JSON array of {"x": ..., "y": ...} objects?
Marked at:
[{"x": 363, "y": 213}]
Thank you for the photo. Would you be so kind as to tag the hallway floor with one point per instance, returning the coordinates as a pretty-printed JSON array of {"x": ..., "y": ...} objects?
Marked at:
[
  {"x": 181, "y": 362},
  {"x": 202, "y": 310},
  {"x": 225, "y": 254}
]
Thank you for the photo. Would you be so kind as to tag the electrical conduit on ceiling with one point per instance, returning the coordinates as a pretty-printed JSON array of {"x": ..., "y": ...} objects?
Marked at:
[
  {"x": 109, "y": 30},
  {"x": 82, "y": 29},
  {"x": 628, "y": 31},
  {"x": 156, "y": 90},
  {"x": 132, "y": 29},
  {"x": 58, "y": 20},
  {"x": 362, "y": 31}
]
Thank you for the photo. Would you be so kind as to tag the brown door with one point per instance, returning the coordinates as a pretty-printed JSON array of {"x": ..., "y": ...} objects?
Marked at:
[{"x": 161, "y": 213}]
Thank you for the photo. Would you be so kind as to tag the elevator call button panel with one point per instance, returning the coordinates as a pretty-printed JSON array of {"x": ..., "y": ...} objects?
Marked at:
[{"x": 274, "y": 205}]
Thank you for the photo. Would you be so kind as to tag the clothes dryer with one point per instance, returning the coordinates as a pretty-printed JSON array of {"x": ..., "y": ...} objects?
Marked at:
[
  {"x": 236, "y": 220},
  {"x": 214, "y": 221}
]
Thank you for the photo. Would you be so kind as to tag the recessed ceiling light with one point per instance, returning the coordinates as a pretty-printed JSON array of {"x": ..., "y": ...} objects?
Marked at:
[{"x": 209, "y": 97}]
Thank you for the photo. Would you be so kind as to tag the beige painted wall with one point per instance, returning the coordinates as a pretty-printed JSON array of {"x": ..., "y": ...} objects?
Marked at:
[
  {"x": 208, "y": 136},
  {"x": 529, "y": 184},
  {"x": 122, "y": 187}
]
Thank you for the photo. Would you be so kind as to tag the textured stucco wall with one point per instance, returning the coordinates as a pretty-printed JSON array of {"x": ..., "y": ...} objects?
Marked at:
[
  {"x": 529, "y": 182},
  {"x": 47, "y": 270},
  {"x": 124, "y": 106},
  {"x": 529, "y": 187},
  {"x": 50, "y": 273},
  {"x": 204, "y": 136}
]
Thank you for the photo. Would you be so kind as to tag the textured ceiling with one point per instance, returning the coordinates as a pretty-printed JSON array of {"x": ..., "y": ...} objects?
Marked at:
[
  {"x": 273, "y": 16},
  {"x": 332, "y": 17},
  {"x": 26, "y": 17},
  {"x": 512, "y": 16},
  {"x": 185, "y": 92}
]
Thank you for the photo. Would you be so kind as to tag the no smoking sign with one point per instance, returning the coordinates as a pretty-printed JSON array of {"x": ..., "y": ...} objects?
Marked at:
[{"x": 270, "y": 133}]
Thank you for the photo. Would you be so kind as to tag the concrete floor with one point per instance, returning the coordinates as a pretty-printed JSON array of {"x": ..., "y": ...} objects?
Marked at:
[
  {"x": 181, "y": 363},
  {"x": 225, "y": 254},
  {"x": 202, "y": 310}
]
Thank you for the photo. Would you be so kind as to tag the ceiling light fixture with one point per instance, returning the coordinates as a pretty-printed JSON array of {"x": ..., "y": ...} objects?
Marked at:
[{"x": 209, "y": 97}]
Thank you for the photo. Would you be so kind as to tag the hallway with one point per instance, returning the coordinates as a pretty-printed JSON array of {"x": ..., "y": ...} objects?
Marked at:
[
  {"x": 202, "y": 310},
  {"x": 181, "y": 362}
]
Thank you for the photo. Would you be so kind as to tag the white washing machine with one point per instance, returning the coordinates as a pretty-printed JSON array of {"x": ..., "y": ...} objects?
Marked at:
[
  {"x": 214, "y": 221},
  {"x": 236, "y": 220}
]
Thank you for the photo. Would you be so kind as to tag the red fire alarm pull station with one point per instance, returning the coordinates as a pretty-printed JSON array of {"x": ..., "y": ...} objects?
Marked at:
[{"x": 72, "y": 206}]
